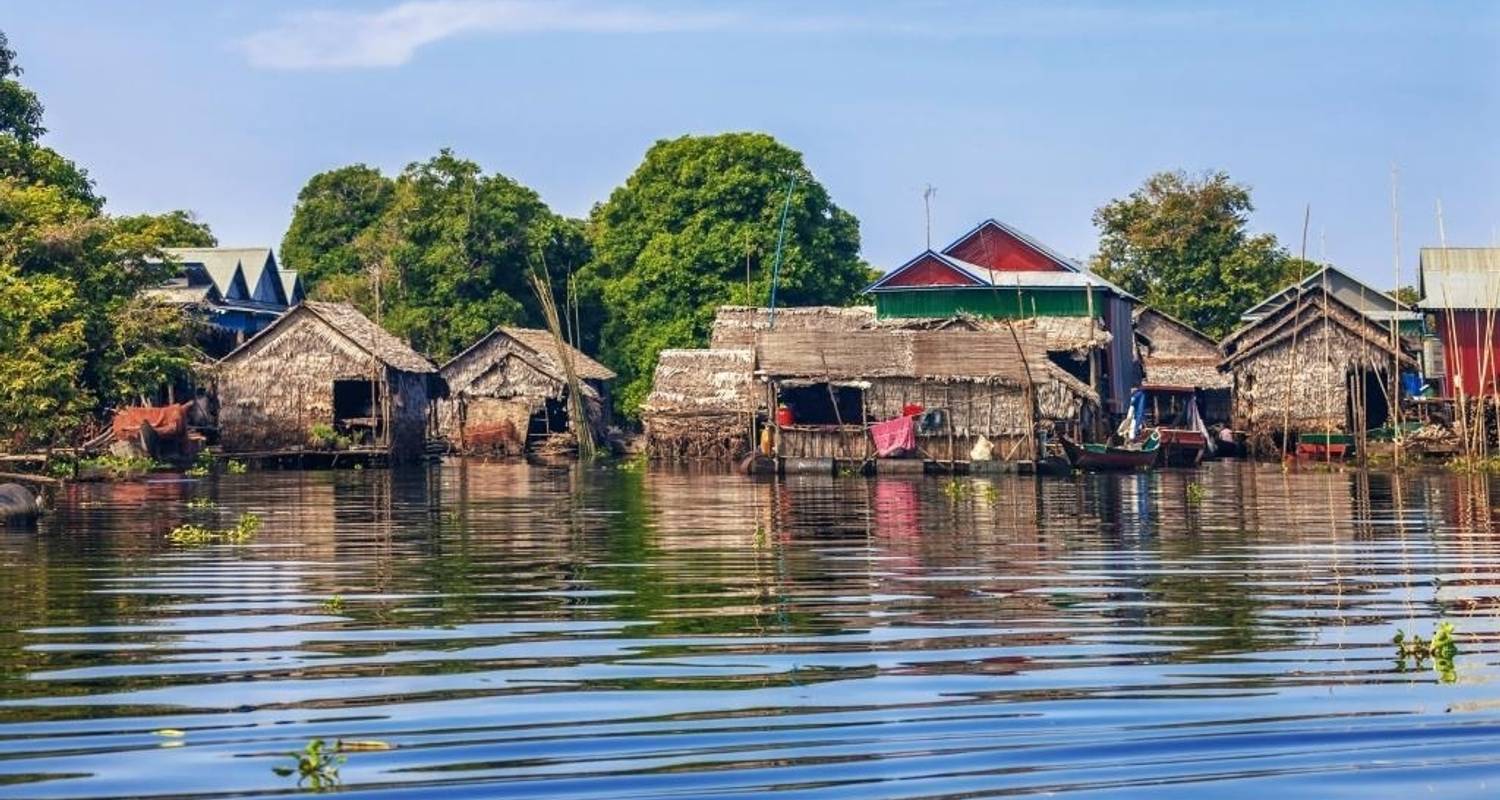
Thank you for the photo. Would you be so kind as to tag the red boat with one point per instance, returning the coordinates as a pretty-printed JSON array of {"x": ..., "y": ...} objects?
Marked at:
[{"x": 1172, "y": 414}]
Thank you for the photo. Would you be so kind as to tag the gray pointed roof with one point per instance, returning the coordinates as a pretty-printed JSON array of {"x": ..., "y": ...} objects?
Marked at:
[{"x": 251, "y": 263}]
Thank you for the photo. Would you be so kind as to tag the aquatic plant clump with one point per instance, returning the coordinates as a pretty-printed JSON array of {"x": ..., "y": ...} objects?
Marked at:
[
  {"x": 317, "y": 766},
  {"x": 1440, "y": 649},
  {"x": 243, "y": 531}
]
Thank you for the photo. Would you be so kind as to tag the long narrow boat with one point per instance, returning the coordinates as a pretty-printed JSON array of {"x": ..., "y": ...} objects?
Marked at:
[{"x": 1100, "y": 457}]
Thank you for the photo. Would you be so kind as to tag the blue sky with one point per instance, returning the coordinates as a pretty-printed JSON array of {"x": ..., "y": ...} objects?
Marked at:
[{"x": 1034, "y": 112}]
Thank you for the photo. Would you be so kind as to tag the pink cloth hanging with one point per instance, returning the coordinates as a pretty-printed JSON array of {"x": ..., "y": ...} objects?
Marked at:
[{"x": 894, "y": 436}]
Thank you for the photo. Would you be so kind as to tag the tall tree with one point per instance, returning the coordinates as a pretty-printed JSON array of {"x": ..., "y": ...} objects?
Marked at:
[
  {"x": 446, "y": 248},
  {"x": 76, "y": 333},
  {"x": 1181, "y": 243},
  {"x": 696, "y": 226},
  {"x": 332, "y": 210}
]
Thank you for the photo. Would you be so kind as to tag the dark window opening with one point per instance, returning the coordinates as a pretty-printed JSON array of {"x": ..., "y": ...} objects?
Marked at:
[
  {"x": 1078, "y": 368},
  {"x": 822, "y": 404},
  {"x": 354, "y": 400}
]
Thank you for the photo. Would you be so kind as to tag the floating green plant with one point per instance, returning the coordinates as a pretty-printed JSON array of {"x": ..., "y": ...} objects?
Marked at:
[
  {"x": 317, "y": 766},
  {"x": 1440, "y": 649},
  {"x": 202, "y": 502},
  {"x": 236, "y": 467},
  {"x": 1195, "y": 493},
  {"x": 243, "y": 531},
  {"x": 957, "y": 489},
  {"x": 192, "y": 535},
  {"x": 334, "y": 605}
]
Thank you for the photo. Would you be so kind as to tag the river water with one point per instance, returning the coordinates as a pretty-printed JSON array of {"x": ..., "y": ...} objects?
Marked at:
[{"x": 499, "y": 630}]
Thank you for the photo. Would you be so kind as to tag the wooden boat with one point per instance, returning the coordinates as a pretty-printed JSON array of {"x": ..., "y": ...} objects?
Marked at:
[
  {"x": 1181, "y": 447},
  {"x": 1336, "y": 446},
  {"x": 1097, "y": 457}
]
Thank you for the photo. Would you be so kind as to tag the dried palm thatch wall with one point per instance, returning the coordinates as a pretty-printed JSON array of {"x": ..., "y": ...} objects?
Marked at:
[
  {"x": 280, "y": 383},
  {"x": 1292, "y": 369},
  {"x": 983, "y": 381},
  {"x": 1176, "y": 354},
  {"x": 735, "y": 327},
  {"x": 501, "y": 381},
  {"x": 701, "y": 405}
]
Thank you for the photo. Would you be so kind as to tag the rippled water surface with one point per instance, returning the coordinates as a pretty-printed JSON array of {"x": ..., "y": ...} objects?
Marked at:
[{"x": 515, "y": 631}]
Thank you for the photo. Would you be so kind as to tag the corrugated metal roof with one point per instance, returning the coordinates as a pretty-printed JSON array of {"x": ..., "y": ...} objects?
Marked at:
[
  {"x": 1005, "y": 279},
  {"x": 1460, "y": 277}
]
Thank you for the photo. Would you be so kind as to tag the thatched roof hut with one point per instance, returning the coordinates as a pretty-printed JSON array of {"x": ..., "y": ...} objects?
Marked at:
[
  {"x": 511, "y": 387},
  {"x": 326, "y": 364},
  {"x": 1312, "y": 365},
  {"x": 1175, "y": 353},
  {"x": 701, "y": 404},
  {"x": 991, "y": 383}
]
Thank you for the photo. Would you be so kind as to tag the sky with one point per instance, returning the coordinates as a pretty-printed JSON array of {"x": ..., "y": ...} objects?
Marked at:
[{"x": 1035, "y": 113}]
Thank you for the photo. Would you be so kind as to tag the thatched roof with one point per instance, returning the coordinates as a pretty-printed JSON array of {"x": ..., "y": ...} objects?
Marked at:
[
  {"x": 346, "y": 320},
  {"x": 544, "y": 350},
  {"x": 712, "y": 381},
  {"x": 736, "y": 326},
  {"x": 1055, "y": 374},
  {"x": 1294, "y": 318},
  {"x": 1056, "y": 334},
  {"x": 897, "y": 353}
]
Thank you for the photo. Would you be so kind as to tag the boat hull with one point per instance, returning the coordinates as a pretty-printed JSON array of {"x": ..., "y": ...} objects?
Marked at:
[
  {"x": 1181, "y": 448},
  {"x": 1108, "y": 459}
]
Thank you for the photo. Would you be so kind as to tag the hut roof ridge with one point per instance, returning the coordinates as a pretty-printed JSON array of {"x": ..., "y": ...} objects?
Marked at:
[{"x": 348, "y": 322}]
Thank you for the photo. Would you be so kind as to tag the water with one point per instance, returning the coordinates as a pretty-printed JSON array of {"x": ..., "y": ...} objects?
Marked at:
[{"x": 514, "y": 631}]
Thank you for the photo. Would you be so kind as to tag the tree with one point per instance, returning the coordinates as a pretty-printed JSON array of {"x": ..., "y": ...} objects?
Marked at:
[
  {"x": 1180, "y": 243},
  {"x": 1406, "y": 294},
  {"x": 699, "y": 215},
  {"x": 76, "y": 333},
  {"x": 446, "y": 248},
  {"x": 332, "y": 210},
  {"x": 20, "y": 110},
  {"x": 172, "y": 229}
]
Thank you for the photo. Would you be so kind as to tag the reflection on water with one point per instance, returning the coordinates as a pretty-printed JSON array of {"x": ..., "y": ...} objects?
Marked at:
[{"x": 544, "y": 632}]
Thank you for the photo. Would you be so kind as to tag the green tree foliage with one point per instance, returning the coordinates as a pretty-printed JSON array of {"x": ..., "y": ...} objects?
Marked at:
[
  {"x": 172, "y": 229},
  {"x": 76, "y": 333},
  {"x": 1406, "y": 294},
  {"x": 1181, "y": 244},
  {"x": 332, "y": 210},
  {"x": 20, "y": 110},
  {"x": 679, "y": 238},
  {"x": 447, "y": 248}
]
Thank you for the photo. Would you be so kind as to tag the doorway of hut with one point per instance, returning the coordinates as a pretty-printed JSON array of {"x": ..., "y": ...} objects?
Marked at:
[
  {"x": 823, "y": 404},
  {"x": 1368, "y": 404},
  {"x": 550, "y": 419},
  {"x": 356, "y": 410}
]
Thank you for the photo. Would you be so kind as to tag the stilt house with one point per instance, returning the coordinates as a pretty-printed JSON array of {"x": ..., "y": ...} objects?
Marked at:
[
  {"x": 1460, "y": 288},
  {"x": 326, "y": 364},
  {"x": 995, "y": 271},
  {"x": 1173, "y": 353},
  {"x": 509, "y": 390},
  {"x": 237, "y": 291},
  {"x": 1314, "y": 365},
  {"x": 967, "y": 384},
  {"x": 703, "y": 405}
]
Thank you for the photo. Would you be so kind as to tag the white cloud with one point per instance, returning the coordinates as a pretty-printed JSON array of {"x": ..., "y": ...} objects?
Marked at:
[{"x": 390, "y": 37}]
